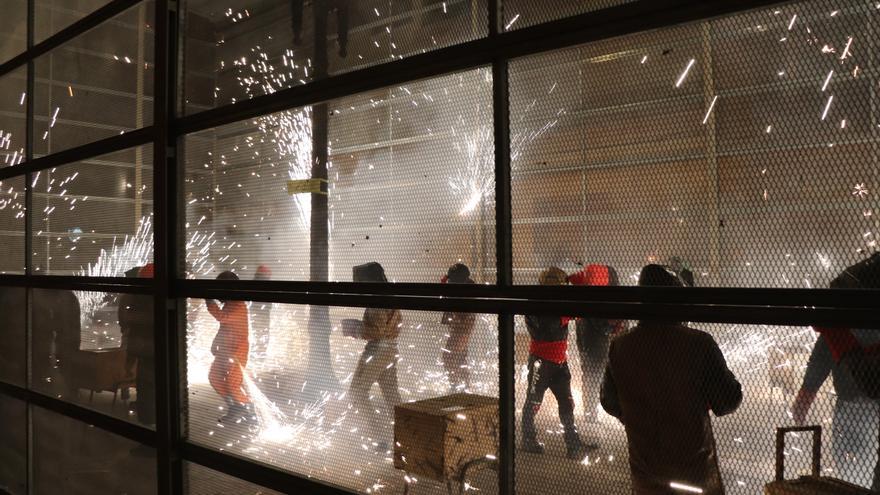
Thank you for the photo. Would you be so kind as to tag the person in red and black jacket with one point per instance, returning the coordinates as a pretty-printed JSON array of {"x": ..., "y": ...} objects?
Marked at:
[
  {"x": 593, "y": 338},
  {"x": 548, "y": 369}
]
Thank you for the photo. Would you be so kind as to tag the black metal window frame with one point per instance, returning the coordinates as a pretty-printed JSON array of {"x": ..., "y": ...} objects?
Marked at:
[{"x": 733, "y": 305}]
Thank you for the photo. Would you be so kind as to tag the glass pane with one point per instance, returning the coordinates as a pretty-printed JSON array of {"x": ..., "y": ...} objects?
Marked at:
[
  {"x": 98, "y": 85},
  {"x": 12, "y": 208},
  {"x": 655, "y": 368},
  {"x": 94, "y": 217},
  {"x": 524, "y": 13},
  {"x": 13, "y": 446},
  {"x": 739, "y": 150},
  {"x": 289, "y": 386},
  {"x": 95, "y": 349},
  {"x": 248, "y": 203},
  {"x": 51, "y": 16},
  {"x": 258, "y": 47},
  {"x": 13, "y": 87},
  {"x": 86, "y": 460},
  {"x": 203, "y": 481},
  {"x": 13, "y": 348},
  {"x": 13, "y": 40}
]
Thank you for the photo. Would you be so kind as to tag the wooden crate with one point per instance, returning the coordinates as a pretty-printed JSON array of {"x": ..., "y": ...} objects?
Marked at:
[
  {"x": 812, "y": 485},
  {"x": 438, "y": 438}
]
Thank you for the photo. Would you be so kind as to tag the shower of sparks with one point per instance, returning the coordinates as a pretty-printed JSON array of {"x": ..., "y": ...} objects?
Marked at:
[{"x": 684, "y": 74}]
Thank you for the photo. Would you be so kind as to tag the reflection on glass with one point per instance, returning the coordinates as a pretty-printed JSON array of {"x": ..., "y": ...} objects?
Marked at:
[
  {"x": 249, "y": 199},
  {"x": 13, "y": 349},
  {"x": 94, "y": 217},
  {"x": 203, "y": 481},
  {"x": 12, "y": 117},
  {"x": 523, "y": 13},
  {"x": 319, "y": 392},
  {"x": 12, "y": 209},
  {"x": 96, "y": 86},
  {"x": 51, "y": 16},
  {"x": 13, "y": 39},
  {"x": 13, "y": 446},
  {"x": 738, "y": 149},
  {"x": 95, "y": 349},
  {"x": 258, "y": 47},
  {"x": 85, "y": 460}
]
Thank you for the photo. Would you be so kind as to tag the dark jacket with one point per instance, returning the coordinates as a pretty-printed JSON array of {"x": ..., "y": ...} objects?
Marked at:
[
  {"x": 136, "y": 322},
  {"x": 661, "y": 381},
  {"x": 546, "y": 328}
]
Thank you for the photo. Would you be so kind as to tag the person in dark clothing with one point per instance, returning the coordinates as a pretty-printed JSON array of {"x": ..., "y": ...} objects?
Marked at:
[
  {"x": 854, "y": 428},
  {"x": 594, "y": 337},
  {"x": 261, "y": 317},
  {"x": 341, "y": 7},
  {"x": 56, "y": 336},
  {"x": 548, "y": 369},
  {"x": 378, "y": 362},
  {"x": 136, "y": 323},
  {"x": 461, "y": 325},
  {"x": 680, "y": 268},
  {"x": 661, "y": 381}
]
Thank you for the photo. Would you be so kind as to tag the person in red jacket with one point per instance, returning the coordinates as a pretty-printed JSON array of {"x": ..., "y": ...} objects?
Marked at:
[
  {"x": 548, "y": 369},
  {"x": 230, "y": 350}
]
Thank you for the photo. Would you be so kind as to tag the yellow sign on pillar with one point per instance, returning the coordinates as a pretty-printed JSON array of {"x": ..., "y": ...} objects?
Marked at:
[{"x": 307, "y": 186}]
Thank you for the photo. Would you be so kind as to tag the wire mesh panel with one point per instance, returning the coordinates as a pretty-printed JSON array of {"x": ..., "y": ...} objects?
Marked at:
[
  {"x": 203, "y": 481},
  {"x": 739, "y": 150},
  {"x": 84, "y": 460},
  {"x": 51, "y": 16},
  {"x": 292, "y": 386},
  {"x": 94, "y": 217},
  {"x": 783, "y": 374},
  {"x": 12, "y": 117},
  {"x": 410, "y": 183},
  {"x": 524, "y": 13},
  {"x": 95, "y": 349},
  {"x": 98, "y": 85},
  {"x": 258, "y": 47},
  {"x": 13, "y": 446},
  {"x": 14, "y": 39},
  {"x": 12, "y": 209},
  {"x": 13, "y": 349}
]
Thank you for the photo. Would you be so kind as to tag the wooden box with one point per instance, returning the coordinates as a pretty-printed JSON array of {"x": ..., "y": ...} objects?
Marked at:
[
  {"x": 438, "y": 438},
  {"x": 812, "y": 485}
]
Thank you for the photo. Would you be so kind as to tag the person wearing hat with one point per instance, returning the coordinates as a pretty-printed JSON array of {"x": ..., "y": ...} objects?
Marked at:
[
  {"x": 261, "y": 317},
  {"x": 593, "y": 338},
  {"x": 136, "y": 323},
  {"x": 378, "y": 362},
  {"x": 230, "y": 350},
  {"x": 461, "y": 325},
  {"x": 548, "y": 369},
  {"x": 661, "y": 381}
]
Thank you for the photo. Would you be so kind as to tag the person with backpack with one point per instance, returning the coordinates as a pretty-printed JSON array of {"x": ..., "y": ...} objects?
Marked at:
[
  {"x": 548, "y": 369},
  {"x": 661, "y": 382},
  {"x": 594, "y": 337},
  {"x": 230, "y": 349},
  {"x": 461, "y": 325},
  {"x": 378, "y": 362}
]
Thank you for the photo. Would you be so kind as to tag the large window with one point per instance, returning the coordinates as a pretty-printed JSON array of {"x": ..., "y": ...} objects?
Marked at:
[{"x": 307, "y": 246}]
